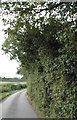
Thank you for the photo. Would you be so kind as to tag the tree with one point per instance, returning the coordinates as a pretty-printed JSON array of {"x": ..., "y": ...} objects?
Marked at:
[{"x": 42, "y": 37}]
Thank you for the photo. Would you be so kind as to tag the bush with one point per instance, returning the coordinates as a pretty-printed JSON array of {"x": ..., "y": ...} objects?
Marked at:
[{"x": 12, "y": 87}]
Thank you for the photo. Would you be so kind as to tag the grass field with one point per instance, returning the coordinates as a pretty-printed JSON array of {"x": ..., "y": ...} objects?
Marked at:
[{"x": 8, "y": 88}]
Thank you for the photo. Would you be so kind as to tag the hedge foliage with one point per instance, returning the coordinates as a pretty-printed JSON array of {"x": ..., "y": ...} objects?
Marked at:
[
  {"x": 46, "y": 47},
  {"x": 11, "y": 87}
]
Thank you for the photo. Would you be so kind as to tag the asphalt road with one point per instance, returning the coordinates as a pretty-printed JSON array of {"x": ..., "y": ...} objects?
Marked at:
[{"x": 17, "y": 106}]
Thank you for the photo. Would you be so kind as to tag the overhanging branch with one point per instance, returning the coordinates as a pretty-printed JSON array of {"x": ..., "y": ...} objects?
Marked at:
[{"x": 43, "y": 9}]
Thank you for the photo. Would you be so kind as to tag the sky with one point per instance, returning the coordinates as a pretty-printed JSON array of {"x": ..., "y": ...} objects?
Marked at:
[{"x": 8, "y": 68}]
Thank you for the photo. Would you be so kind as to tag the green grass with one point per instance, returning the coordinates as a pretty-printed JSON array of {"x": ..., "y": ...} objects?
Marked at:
[
  {"x": 8, "y": 89},
  {"x": 6, "y": 94}
]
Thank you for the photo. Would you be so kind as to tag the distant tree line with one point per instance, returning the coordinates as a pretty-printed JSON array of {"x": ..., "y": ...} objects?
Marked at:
[{"x": 3, "y": 79}]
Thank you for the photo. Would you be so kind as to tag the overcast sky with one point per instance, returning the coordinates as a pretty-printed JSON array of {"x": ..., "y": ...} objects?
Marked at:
[{"x": 8, "y": 68}]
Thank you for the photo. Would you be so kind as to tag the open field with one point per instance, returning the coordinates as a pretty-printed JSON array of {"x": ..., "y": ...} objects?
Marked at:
[{"x": 1, "y": 83}]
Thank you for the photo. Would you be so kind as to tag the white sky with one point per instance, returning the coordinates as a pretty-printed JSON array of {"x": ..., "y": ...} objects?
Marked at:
[{"x": 8, "y": 68}]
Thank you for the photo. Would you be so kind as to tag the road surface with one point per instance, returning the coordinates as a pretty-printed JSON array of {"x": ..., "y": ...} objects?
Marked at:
[{"x": 17, "y": 106}]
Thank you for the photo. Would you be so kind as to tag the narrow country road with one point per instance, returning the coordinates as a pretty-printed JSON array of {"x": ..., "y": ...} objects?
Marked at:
[{"x": 17, "y": 106}]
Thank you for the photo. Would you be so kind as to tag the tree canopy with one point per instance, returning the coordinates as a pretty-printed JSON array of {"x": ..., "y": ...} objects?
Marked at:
[{"x": 43, "y": 38}]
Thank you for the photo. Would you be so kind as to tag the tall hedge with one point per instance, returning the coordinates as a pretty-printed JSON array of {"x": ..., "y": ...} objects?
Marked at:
[{"x": 46, "y": 48}]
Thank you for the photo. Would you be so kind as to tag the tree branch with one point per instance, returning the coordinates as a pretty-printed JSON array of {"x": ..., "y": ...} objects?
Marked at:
[{"x": 43, "y": 9}]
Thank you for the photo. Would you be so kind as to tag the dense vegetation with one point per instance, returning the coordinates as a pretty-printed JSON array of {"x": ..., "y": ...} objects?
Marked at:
[
  {"x": 10, "y": 88},
  {"x": 43, "y": 37}
]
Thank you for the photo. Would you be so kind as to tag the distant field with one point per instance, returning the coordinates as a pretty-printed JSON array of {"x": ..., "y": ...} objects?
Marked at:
[{"x": 1, "y": 83}]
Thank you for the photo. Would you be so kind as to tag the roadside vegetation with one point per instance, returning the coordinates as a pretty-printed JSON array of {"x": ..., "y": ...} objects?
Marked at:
[
  {"x": 10, "y": 88},
  {"x": 43, "y": 37}
]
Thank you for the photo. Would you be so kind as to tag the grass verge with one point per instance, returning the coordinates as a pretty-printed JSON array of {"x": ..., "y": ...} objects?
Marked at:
[
  {"x": 8, "y": 89},
  {"x": 6, "y": 94}
]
